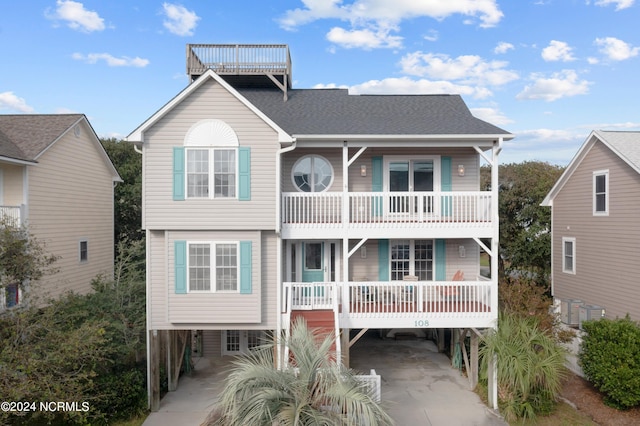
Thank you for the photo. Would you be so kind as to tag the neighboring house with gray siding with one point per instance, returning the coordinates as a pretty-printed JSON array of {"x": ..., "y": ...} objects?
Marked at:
[
  {"x": 595, "y": 229},
  {"x": 262, "y": 203},
  {"x": 56, "y": 178}
]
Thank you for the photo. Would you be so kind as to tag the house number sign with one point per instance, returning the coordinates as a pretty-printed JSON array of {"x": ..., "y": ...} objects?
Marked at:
[{"x": 421, "y": 323}]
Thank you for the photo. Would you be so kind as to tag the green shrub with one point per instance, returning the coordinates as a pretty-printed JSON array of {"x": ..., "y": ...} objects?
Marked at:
[
  {"x": 530, "y": 366},
  {"x": 610, "y": 359}
]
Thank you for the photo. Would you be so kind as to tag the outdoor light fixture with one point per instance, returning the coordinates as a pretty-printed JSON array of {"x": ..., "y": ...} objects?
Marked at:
[
  {"x": 461, "y": 170},
  {"x": 462, "y": 252},
  {"x": 363, "y": 170}
]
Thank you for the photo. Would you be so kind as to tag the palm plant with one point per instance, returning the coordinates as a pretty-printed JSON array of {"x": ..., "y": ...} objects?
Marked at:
[
  {"x": 314, "y": 390},
  {"x": 530, "y": 366}
]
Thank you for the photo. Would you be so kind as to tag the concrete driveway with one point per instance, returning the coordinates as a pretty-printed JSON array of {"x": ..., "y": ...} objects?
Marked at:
[{"x": 419, "y": 387}]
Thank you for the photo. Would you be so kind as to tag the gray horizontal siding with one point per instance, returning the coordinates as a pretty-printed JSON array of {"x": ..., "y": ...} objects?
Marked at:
[
  {"x": 213, "y": 311},
  {"x": 607, "y": 266},
  {"x": 207, "y": 102}
]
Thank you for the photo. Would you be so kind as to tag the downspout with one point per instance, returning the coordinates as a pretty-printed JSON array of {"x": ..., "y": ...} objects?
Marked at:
[{"x": 279, "y": 154}]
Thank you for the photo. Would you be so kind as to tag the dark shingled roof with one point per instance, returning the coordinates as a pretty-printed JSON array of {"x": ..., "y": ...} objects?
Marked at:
[
  {"x": 25, "y": 136},
  {"x": 335, "y": 112}
]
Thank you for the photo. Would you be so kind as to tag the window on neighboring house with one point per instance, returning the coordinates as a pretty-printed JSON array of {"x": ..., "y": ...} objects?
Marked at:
[
  {"x": 213, "y": 266},
  {"x": 11, "y": 295},
  {"x": 312, "y": 173},
  {"x": 569, "y": 255},
  {"x": 601, "y": 192},
  {"x": 411, "y": 257},
  {"x": 211, "y": 173},
  {"x": 83, "y": 251}
]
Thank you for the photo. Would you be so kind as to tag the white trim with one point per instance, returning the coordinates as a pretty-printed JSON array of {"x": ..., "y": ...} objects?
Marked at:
[
  {"x": 571, "y": 240},
  {"x": 607, "y": 194},
  {"x": 1, "y": 187},
  {"x": 212, "y": 267}
]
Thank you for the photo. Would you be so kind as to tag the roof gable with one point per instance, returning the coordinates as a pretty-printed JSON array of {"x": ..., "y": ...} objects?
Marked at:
[
  {"x": 625, "y": 145},
  {"x": 25, "y": 137},
  {"x": 138, "y": 134}
]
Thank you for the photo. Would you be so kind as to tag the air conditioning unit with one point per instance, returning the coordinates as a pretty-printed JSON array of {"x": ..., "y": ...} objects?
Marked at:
[
  {"x": 590, "y": 312},
  {"x": 570, "y": 311}
]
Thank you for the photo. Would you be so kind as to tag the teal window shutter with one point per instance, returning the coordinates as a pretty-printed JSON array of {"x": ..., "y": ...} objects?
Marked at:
[
  {"x": 245, "y": 267},
  {"x": 180, "y": 270},
  {"x": 446, "y": 184},
  {"x": 383, "y": 260},
  {"x": 441, "y": 260},
  {"x": 377, "y": 174},
  {"x": 244, "y": 173},
  {"x": 178, "y": 173}
]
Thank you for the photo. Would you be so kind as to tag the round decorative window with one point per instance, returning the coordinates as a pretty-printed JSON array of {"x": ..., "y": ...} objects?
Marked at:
[{"x": 312, "y": 173}]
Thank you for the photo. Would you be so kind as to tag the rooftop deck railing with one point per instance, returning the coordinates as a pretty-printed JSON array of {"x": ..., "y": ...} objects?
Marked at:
[{"x": 238, "y": 58}]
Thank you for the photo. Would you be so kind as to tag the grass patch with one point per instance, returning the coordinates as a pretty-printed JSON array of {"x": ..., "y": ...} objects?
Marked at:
[
  {"x": 136, "y": 421},
  {"x": 564, "y": 415}
]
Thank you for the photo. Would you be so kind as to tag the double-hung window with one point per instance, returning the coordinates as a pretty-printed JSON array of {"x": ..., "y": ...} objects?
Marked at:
[
  {"x": 211, "y": 172},
  {"x": 569, "y": 255},
  {"x": 411, "y": 257},
  {"x": 213, "y": 266},
  {"x": 601, "y": 193}
]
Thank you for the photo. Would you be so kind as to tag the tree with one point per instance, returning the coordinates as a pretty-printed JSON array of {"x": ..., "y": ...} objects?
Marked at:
[
  {"x": 316, "y": 390},
  {"x": 23, "y": 258},
  {"x": 530, "y": 366},
  {"x": 128, "y": 194},
  {"x": 525, "y": 226}
]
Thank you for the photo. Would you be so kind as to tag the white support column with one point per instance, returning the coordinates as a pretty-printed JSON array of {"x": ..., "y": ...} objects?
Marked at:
[{"x": 492, "y": 374}]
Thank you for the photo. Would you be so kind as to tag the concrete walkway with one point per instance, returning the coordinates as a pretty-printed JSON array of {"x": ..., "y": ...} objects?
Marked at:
[{"x": 419, "y": 387}]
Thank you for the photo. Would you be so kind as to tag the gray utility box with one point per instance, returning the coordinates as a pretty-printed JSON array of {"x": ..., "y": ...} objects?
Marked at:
[
  {"x": 570, "y": 311},
  {"x": 590, "y": 312}
]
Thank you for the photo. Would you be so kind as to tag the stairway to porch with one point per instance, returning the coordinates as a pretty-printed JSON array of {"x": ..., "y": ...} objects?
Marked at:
[{"x": 322, "y": 320}]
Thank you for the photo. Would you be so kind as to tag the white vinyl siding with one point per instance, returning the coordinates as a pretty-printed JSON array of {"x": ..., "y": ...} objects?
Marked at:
[
  {"x": 569, "y": 255},
  {"x": 601, "y": 193}
]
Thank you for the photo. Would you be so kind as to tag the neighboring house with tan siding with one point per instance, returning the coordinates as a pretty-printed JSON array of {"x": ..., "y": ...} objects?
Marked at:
[
  {"x": 56, "y": 178},
  {"x": 595, "y": 229},
  {"x": 263, "y": 203}
]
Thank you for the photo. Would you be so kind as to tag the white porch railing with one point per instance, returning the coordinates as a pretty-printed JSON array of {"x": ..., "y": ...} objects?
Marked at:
[
  {"x": 371, "y": 209},
  {"x": 372, "y": 383},
  {"x": 12, "y": 215},
  {"x": 418, "y": 304}
]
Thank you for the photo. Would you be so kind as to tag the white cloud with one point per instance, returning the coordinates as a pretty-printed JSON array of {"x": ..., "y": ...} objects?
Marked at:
[
  {"x": 111, "y": 60},
  {"x": 364, "y": 39},
  {"x": 405, "y": 85},
  {"x": 330, "y": 86},
  {"x": 372, "y": 20},
  {"x": 491, "y": 115},
  {"x": 557, "y": 51},
  {"x": 615, "y": 49},
  {"x": 8, "y": 100},
  {"x": 432, "y": 35},
  {"x": 620, "y": 4},
  {"x": 503, "y": 47},
  {"x": 468, "y": 69},
  {"x": 179, "y": 20},
  {"x": 76, "y": 16},
  {"x": 560, "y": 85}
]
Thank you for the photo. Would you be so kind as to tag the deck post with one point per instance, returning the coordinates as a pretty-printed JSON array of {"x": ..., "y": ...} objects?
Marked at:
[
  {"x": 441, "y": 341},
  {"x": 154, "y": 370},
  {"x": 473, "y": 374},
  {"x": 344, "y": 338}
]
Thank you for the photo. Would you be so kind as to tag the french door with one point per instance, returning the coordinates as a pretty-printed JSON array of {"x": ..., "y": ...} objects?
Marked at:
[{"x": 406, "y": 176}]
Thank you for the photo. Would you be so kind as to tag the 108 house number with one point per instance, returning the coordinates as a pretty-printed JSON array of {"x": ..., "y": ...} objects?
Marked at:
[{"x": 421, "y": 323}]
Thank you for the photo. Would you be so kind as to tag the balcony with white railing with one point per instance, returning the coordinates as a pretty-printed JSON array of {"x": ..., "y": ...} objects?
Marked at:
[
  {"x": 399, "y": 304},
  {"x": 369, "y": 214},
  {"x": 11, "y": 215}
]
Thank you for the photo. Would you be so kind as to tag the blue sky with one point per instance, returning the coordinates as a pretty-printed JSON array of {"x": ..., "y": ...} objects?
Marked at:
[{"x": 548, "y": 71}]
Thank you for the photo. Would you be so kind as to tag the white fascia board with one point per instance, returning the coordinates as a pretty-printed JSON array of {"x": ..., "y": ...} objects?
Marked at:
[
  {"x": 138, "y": 134},
  {"x": 4, "y": 159}
]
